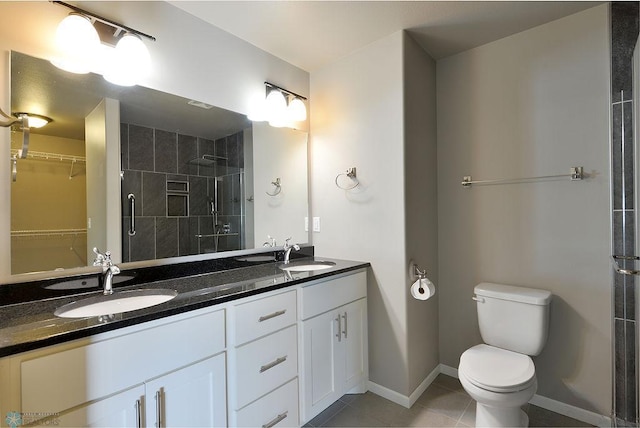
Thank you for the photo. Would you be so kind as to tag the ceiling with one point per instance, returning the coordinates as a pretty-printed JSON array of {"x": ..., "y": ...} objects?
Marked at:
[{"x": 312, "y": 34}]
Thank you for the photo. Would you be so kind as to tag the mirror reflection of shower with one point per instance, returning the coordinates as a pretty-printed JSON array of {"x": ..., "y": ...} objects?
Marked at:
[{"x": 190, "y": 204}]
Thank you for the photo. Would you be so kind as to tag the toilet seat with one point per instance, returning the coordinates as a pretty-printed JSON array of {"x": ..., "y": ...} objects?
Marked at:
[{"x": 495, "y": 369}]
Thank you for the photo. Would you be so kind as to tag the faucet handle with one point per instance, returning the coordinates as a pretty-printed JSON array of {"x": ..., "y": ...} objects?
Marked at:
[{"x": 101, "y": 259}]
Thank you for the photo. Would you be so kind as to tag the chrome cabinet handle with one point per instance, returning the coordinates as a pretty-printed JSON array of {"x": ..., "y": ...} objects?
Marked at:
[
  {"x": 339, "y": 333},
  {"x": 159, "y": 408},
  {"x": 345, "y": 325},
  {"x": 276, "y": 420},
  {"x": 273, "y": 315},
  {"x": 273, "y": 364},
  {"x": 138, "y": 413},
  {"x": 132, "y": 213}
]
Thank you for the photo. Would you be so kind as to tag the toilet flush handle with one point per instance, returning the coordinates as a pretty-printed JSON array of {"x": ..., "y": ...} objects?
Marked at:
[{"x": 478, "y": 299}]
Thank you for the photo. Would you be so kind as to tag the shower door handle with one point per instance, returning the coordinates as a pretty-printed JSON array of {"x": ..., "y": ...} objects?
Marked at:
[{"x": 132, "y": 213}]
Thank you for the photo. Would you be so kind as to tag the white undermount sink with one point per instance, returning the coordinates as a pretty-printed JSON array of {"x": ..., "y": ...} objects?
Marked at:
[
  {"x": 118, "y": 302},
  {"x": 307, "y": 266}
]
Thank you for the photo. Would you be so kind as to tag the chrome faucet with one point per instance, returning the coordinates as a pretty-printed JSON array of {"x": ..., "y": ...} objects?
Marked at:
[
  {"x": 287, "y": 250},
  {"x": 108, "y": 269},
  {"x": 271, "y": 242}
]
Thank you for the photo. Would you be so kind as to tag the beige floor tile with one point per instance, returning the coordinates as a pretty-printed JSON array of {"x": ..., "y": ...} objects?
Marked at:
[
  {"x": 419, "y": 416},
  {"x": 353, "y": 417},
  {"x": 448, "y": 382},
  {"x": 327, "y": 414},
  {"x": 468, "y": 418},
  {"x": 444, "y": 401}
]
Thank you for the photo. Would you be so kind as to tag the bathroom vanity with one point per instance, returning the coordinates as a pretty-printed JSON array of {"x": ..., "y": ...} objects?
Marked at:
[{"x": 251, "y": 346}]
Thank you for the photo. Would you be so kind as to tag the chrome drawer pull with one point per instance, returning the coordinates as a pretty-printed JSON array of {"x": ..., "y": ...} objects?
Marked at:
[
  {"x": 273, "y": 315},
  {"x": 159, "y": 408},
  {"x": 339, "y": 333},
  {"x": 273, "y": 364},
  {"x": 138, "y": 414},
  {"x": 345, "y": 325},
  {"x": 276, "y": 420}
]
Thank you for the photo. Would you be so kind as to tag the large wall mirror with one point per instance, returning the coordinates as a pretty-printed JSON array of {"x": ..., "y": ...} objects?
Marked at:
[{"x": 192, "y": 179}]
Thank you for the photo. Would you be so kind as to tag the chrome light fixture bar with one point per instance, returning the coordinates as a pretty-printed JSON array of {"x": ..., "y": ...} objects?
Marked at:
[
  {"x": 272, "y": 86},
  {"x": 118, "y": 27}
]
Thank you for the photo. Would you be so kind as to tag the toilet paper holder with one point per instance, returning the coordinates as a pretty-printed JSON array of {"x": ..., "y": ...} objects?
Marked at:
[{"x": 415, "y": 272}]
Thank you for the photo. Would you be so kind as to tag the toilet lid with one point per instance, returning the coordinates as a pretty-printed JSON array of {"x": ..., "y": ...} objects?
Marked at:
[{"x": 496, "y": 369}]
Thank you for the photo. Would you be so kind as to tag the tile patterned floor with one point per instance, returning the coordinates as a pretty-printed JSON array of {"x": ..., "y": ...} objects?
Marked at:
[{"x": 444, "y": 404}]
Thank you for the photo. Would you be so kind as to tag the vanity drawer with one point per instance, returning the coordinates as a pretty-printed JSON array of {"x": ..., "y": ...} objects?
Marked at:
[
  {"x": 264, "y": 316},
  {"x": 276, "y": 409},
  {"x": 325, "y": 296},
  {"x": 265, "y": 364}
]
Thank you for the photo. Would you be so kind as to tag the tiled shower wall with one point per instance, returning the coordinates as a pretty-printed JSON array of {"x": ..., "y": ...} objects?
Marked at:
[
  {"x": 172, "y": 223},
  {"x": 624, "y": 33}
]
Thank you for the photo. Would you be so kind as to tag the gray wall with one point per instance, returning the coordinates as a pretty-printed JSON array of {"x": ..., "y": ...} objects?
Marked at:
[
  {"x": 535, "y": 103},
  {"x": 421, "y": 212}
]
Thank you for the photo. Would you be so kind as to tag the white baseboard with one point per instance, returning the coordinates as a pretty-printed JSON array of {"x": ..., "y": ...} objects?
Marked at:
[
  {"x": 587, "y": 416},
  {"x": 400, "y": 399}
]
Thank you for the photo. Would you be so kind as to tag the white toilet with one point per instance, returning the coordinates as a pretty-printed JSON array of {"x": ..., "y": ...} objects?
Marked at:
[{"x": 499, "y": 374}]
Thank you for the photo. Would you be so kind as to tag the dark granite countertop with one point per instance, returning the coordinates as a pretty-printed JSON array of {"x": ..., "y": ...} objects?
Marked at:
[{"x": 31, "y": 324}]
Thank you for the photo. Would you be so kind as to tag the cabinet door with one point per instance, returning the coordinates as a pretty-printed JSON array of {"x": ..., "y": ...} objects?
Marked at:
[
  {"x": 120, "y": 410},
  {"x": 194, "y": 396},
  {"x": 354, "y": 340},
  {"x": 321, "y": 372}
]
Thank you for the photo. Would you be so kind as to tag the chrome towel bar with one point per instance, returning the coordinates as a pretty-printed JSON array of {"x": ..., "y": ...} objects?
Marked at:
[{"x": 576, "y": 173}]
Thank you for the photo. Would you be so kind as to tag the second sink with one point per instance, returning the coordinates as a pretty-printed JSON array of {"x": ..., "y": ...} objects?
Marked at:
[{"x": 123, "y": 301}]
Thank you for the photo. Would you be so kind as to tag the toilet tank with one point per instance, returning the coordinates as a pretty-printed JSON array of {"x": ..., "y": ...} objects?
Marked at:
[{"x": 513, "y": 318}]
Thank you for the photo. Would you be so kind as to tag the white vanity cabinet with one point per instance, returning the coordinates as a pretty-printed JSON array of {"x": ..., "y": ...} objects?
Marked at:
[
  {"x": 334, "y": 341},
  {"x": 116, "y": 378},
  {"x": 264, "y": 361},
  {"x": 194, "y": 396}
]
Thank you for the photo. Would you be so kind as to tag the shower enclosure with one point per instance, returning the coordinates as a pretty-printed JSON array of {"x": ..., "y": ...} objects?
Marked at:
[{"x": 192, "y": 203}]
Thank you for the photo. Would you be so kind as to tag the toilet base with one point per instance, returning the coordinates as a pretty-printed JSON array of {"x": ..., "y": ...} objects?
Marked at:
[{"x": 488, "y": 416}]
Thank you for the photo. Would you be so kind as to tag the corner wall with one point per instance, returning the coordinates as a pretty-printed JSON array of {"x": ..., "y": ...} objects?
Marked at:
[
  {"x": 421, "y": 208},
  {"x": 533, "y": 104},
  {"x": 357, "y": 121}
]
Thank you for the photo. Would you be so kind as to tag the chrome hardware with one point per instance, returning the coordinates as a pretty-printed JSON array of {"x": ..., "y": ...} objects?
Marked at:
[
  {"x": 271, "y": 242},
  {"x": 625, "y": 270},
  {"x": 477, "y": 299},
  {"x": 138, "y": 413},
  {"x": 276, "y": 420},
  {"x": 273, "y": 364},
  {"x": 159, "y": 408},
  {"x": 339, "y": 333},
  {"x": 132, "y": 213},
  {"x": 575, "y": 173},
  {"x": 351, "y": 174},
  {"x": 273, "y": 315},
  {"x": 287, "y": 250},
  {"x": 277, "y": 187},
  {"x": 108, "y": 269},
  {"x": 345, "y": 325}
]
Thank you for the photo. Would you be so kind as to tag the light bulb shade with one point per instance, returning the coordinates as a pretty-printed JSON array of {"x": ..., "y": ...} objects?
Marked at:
[
  {"x": 129, "y": 63},
  {"x": 77, "y": 44},
  {"x": 276, "y": 108},
  {"x": 297, "y": 111},
  {"x": 257, "y": 109}
]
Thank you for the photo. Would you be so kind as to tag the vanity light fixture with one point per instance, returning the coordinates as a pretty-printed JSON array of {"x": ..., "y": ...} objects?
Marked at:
[
  {"x": 280, "y": 107},
  {"x": 88, "y": 42}
]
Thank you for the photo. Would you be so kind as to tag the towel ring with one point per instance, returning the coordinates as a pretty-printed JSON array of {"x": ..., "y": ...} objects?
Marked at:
[
  {"x": 350, "y": 173},
  {"x": 278, "y": 187}
]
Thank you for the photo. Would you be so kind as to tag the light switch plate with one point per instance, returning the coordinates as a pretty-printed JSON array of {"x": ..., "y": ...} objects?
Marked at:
[{"x": 316, "y": 224}]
